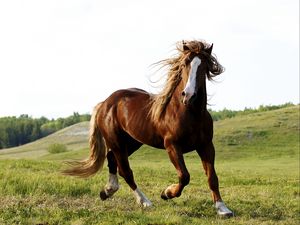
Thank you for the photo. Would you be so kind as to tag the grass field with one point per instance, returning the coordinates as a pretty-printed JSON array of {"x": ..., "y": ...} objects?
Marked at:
[{"x": 257, "y": 162}]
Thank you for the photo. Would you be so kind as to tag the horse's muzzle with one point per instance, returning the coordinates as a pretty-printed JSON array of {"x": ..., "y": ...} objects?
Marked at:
[{"x": 188, "y": 100}]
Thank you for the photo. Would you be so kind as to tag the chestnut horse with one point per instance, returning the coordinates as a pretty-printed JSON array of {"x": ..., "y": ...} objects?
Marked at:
[{"x": 175, "y": 119}]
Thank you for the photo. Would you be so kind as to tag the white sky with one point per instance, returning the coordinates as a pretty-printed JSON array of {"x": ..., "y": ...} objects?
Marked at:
[{"x": 61, "y": 56}]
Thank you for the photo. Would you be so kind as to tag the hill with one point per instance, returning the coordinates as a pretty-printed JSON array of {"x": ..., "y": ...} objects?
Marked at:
[
  {"x": 263, "y": 134},
  {"x": 75, "y": 137},
  {"x": 16, "y": 131}
]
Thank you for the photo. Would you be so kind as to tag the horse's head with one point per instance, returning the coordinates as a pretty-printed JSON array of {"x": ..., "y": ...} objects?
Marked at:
[{"x": 198, "y": 64}]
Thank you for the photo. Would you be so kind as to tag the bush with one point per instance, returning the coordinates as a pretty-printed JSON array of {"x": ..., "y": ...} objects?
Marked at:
[{"x": 57, "y": 148}]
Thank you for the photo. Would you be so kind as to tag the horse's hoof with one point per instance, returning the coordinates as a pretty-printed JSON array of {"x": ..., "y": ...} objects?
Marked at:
[
  {"x": 223, "y": 211},
  {"x": 226, "y": 215},
  {"x": 103, "y": 195},
  {"x": 163, "y": 195},
  {"x": 146, "y": 204},
  {"x": 168, "y": 193}
]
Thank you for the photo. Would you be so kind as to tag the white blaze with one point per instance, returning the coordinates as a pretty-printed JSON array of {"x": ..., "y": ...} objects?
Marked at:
[{"x": 190, "y": 87}]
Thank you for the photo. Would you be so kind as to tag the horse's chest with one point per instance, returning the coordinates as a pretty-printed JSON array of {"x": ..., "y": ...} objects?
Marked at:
[
  {"x": 192, "y": 138},
  {"x": 191, "y": 135}
]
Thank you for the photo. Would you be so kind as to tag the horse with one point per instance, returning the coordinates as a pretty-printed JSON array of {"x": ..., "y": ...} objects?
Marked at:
[{"x": 176, "y": 119}]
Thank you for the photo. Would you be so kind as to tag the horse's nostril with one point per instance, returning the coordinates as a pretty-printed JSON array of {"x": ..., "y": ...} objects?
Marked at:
[{"x": 183, "y": 93}]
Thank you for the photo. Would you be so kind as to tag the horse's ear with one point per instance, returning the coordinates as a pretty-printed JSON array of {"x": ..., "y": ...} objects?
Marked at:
[
  {"x": 209, "y": 50},
  {"x": 184, "y": 46}
]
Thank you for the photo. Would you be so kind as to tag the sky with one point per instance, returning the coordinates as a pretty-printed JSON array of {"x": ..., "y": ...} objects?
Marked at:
[{"x": 63, "y": 56}]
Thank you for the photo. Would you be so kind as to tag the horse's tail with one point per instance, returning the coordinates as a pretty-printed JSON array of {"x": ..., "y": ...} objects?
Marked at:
[{"x": 98, "y": 152}]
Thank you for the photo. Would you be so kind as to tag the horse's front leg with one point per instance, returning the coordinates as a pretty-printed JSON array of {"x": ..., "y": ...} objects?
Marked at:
[
  {"x": 207, "y": 154},
  {"x": 176, "y": 157}
]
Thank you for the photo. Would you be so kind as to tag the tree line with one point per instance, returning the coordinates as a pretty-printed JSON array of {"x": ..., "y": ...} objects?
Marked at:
[
  {"x": 15, "y": 131},
  {"x": 227, "y": 113}
]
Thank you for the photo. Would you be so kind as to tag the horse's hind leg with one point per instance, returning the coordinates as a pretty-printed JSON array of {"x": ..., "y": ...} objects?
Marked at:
[
  {"x": 112, "y": 185},
  {"x": 126, "y": 172},
  {"x": 207, "y": 155}
]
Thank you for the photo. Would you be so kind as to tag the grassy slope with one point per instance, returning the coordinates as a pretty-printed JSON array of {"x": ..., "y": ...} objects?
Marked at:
[
  {"x": 257, "y": 163},
  {"x": 259, "y": 135}
]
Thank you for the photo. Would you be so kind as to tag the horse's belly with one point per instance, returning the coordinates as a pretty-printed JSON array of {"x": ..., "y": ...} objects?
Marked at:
[{"x": 146, "y": 136}]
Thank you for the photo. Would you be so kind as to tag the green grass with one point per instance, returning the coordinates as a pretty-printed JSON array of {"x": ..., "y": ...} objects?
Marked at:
[{"x": 257, "y": 162}]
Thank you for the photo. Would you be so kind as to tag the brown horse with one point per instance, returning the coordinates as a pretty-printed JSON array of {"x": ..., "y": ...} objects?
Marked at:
[{"x": 175, "y": 119}]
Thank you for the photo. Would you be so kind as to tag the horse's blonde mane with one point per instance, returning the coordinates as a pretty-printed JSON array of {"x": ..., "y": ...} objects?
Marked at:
[{"x": 175, "y": 67}]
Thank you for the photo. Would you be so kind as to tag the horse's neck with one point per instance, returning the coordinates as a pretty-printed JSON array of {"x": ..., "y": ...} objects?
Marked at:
[{"x": 201, "y": 100}]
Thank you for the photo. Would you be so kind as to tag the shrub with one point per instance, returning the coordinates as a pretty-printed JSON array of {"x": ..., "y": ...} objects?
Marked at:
[{"x": 57, "y": 148}]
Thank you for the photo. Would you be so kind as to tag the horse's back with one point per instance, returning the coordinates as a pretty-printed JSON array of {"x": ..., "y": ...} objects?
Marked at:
[
  {"x": 127, "y": 94},
  {"x": 127, "y": 111}
]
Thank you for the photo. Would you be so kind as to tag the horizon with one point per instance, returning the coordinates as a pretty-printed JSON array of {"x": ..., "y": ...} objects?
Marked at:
[
  {"x": 283, "y": 105},
  {"x": 65, "y": 56}
]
